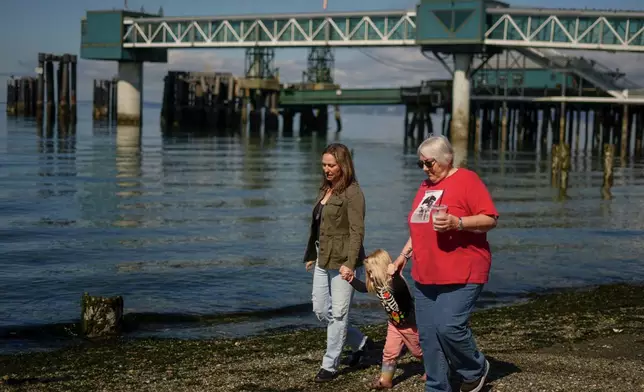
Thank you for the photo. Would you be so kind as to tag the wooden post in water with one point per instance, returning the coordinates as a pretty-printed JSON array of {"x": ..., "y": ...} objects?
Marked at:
[
  {"x": 114, "y": 101},
  {"x": 338, "y": 118},
  {"x": 287, "y": 124},
  {"x": 639, "y": 130},
  {"x": 74, "y": 82},
  {"x": 609, "y": 154},
  {"x": 101, "y": 317},
  {"x": 33, "y": 95},
  {"x": 63, "y": 89},
  {"x": 40, "y": 94},
  {"x": 562, "y": 123},
  {"x": 577, "y": 129},
  {"x": 59, "y": 86},
  {"x": 20, "y": 104},
  {"x": 555, "y": 165},
  {"x": 10, "y": 109},
  {"x": 623, "y": 148},
  {"x": 564, "y": 161},
  {"x": 244, "y": 109},
  {"x": 49, "y": 80},
  {"x": 504, "y": 126}
]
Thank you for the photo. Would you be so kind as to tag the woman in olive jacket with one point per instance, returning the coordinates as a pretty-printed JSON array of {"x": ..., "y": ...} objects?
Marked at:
[{"x": 334, "y": 251}]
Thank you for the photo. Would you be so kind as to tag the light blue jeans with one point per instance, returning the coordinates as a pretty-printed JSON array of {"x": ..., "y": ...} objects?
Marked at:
[{"x": 332, "y": 297}]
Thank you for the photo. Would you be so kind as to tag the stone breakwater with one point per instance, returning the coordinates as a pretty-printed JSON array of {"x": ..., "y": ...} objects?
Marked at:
[{"x": 591, "y": 340}]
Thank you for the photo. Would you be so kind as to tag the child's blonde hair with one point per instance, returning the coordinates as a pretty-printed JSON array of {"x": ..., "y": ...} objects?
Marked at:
[{"x": 376, "y": 270}]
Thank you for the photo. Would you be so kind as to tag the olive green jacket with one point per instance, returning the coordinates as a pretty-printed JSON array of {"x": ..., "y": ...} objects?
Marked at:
[{"x": 341, "y": 230}]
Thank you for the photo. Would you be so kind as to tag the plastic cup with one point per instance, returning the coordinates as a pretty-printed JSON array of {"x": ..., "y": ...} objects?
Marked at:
[{"x": 439, "y": 210}]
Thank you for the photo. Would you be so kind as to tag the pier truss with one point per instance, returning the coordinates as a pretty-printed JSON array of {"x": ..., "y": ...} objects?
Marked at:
[
  {"x": 395, "y": 28},
  {"x": 603, "y": 30}
]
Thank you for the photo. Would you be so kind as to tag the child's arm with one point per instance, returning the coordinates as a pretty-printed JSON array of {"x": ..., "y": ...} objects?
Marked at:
[
  {"x": 358, "y": 285},
  {"x": 401, "y": 261}
]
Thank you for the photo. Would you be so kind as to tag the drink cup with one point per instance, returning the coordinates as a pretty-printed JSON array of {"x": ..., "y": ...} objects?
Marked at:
[{"x": 438, "y": 210}]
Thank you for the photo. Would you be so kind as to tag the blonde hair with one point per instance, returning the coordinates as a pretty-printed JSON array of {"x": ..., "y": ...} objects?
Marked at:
[{"x": 376, "y": 270}]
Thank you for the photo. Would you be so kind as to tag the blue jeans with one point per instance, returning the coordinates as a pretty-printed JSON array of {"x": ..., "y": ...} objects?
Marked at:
[
  {"x": 332, "y": 297},
  {"x": 442, "y": 315}
]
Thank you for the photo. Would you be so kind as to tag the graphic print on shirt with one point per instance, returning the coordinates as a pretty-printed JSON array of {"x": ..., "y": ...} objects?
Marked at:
[
  {"x": 422, "y": 212},
  {"x": 391, "y": 306}
]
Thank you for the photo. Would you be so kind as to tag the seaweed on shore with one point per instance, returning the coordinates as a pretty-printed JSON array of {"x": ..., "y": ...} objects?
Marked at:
[{"x": 287, "y": 361}]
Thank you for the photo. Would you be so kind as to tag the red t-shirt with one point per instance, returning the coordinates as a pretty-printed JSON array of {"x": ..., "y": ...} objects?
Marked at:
[{"x": 451, "y": 257}]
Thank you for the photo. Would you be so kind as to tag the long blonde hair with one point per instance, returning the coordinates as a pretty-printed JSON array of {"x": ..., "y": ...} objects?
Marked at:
[{"x": 376, "y": 270}]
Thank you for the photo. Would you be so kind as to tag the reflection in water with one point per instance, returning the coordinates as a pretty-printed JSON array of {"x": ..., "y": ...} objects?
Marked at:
[
  {"x": 207, "y": 225},
  {"x": 57, "y": 160},
  {"x": 128, "y": 171}
]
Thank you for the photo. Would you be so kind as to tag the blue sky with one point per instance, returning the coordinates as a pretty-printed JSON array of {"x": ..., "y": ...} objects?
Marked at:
[{"x": 32, "y": 26}]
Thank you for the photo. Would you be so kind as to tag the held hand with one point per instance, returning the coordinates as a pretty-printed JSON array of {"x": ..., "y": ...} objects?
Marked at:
[
  {"x": 445, "y": 223},
  {"x": 396, "y": 265},
  {"x": 309, "y": 265},
  {"x": 347, "y": 273}
]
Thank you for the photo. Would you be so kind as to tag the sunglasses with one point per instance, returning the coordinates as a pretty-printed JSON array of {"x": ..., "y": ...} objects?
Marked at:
[{"x": 428, "y": 164}]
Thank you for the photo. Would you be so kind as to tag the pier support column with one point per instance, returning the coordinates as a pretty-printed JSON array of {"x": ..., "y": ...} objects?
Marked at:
[
  {"x": 460, "y": 107},
  {"x": 74, "y": 82},
  {"x": 130, "y": 93},
  {"x": 40, "y": 94}
]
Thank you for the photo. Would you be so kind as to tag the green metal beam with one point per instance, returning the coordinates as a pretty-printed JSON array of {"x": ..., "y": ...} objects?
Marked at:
[{"x": 374, "y": 96}]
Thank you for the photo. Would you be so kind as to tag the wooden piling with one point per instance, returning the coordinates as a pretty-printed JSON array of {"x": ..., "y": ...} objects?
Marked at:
[
  {"x": 608, "y": 158},
  {"x": 49, "y": 80},
  {"x": 639, "y": 131},
  {"x": 287, "y": 124},
  {"x": 74, "y": 82},
  {"x": 564, "y": 168},
  {"x": 40, "y": 94},
  {"x": 101, "y": 317},
  {"x": 504, "y": 126},
  {"x": 63, "y": 89},
  {"x": 623, "y": 148},
  {"x": 555, "y": 164}
]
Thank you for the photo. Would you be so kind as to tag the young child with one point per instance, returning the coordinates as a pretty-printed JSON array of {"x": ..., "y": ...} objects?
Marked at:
[{"x": 396, "y": 298}]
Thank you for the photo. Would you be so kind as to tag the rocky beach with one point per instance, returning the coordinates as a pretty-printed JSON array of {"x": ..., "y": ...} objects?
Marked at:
[{"x": 590, "y": 339}]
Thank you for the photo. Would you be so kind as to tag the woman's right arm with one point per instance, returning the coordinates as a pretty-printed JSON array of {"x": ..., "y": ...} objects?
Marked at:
[{"x": 401, "y": 260}]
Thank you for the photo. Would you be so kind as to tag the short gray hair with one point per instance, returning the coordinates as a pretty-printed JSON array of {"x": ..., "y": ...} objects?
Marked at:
[{"x": 439, "y": 148}]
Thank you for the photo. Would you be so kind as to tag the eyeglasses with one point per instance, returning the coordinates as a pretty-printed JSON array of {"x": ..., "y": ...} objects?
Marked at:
[{"x": 428, "y": 164}]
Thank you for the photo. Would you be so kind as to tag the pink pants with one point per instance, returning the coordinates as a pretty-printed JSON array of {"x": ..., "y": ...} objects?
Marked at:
[{"x": 396, "y": 339}]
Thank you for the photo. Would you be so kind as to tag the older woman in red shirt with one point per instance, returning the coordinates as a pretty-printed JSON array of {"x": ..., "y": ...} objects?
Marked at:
[{"x": 451, "y": 263}]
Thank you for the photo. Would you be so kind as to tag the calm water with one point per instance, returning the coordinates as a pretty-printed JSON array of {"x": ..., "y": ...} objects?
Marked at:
[{"x": 216, "y": 226}]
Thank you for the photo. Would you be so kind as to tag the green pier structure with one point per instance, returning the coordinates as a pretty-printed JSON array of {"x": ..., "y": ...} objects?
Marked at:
[{"x": 469, "y": 34}]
